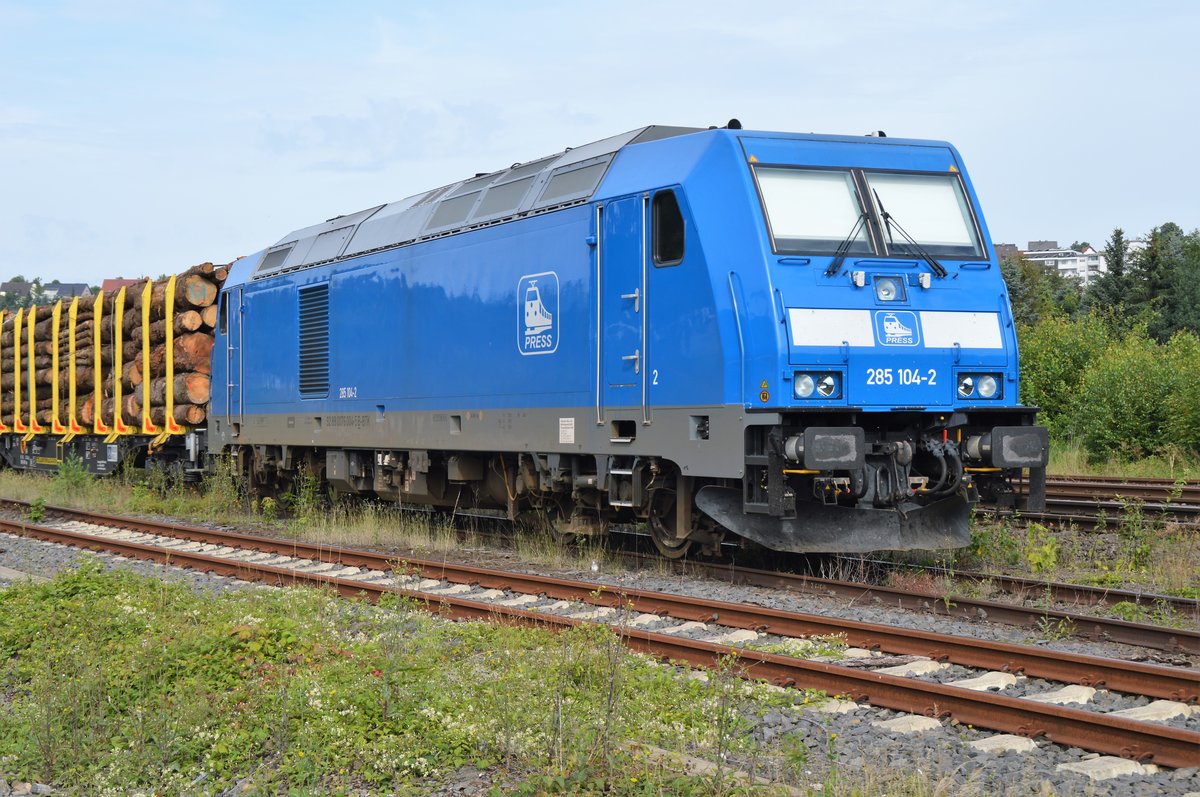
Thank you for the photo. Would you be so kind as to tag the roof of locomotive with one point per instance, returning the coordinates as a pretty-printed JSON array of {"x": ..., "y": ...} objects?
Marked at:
[
  {"x": 571, "y": 177},
  {"x": 568, "y": 178}
]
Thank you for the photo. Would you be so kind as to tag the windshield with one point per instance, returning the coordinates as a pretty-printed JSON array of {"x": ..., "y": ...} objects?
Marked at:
[
  {"x": 812, "y": 211},
  {"x": 931, "y": 208}
]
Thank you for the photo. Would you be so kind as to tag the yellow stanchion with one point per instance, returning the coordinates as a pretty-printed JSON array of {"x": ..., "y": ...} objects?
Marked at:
[
  {"x": 73, "y": 427},
  {"x": 18, "y": 422},
  {"x": 3, "y": 426},
  {"x": 35, "y": 428},
  {"x": 56, "y": 425},
  {"x": 148, "y": 426},
  {"x": 119, "y": 426},
  {"x": 172, "y": 426},
  {"x": 98, "y": 424}
]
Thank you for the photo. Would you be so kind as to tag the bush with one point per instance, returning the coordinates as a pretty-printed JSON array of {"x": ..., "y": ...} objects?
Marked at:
[
  {"x": 1055, "y": 357},
  {"x": 1122, "y": 394},
  {"x": 1124, "y": 412},
  {"x": 1183, "y": 398}
]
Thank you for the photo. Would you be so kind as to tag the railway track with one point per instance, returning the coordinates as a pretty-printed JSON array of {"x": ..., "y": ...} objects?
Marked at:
[
  {"x": 662, "y": 625},
  {"x": 1036, "y": 618},
  {"x": 1074, "y": 624},
  {"x": 1093, "y": 502}
]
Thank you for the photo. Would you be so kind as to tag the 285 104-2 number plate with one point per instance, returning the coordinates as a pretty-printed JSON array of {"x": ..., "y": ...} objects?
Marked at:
[{"x": 902, "y": 376}]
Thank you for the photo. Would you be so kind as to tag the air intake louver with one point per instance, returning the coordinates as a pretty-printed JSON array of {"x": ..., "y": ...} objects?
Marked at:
[{"x": 314, "y": 341}]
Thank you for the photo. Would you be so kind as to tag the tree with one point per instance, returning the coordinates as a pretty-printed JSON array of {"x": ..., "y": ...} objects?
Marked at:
[
  {"x": 1110, "y": 290},
  {"x": 1080, "y": 246},
  {"x": 1179, "y": 305},
  {"x": 36, "y": 294},
  {"x": 1153, "y": 275},
  {"x": 1038, "y": 293}
]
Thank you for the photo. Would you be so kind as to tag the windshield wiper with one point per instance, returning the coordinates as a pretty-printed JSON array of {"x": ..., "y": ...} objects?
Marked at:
[
  {"x": 890, "y": 221},
  {"x": 839, "y": 255}
]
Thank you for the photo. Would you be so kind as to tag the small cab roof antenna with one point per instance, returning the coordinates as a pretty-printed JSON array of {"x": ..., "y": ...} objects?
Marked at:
[
  {"x": 877, "y": 134},
  {"x": 733, "y": 124}
]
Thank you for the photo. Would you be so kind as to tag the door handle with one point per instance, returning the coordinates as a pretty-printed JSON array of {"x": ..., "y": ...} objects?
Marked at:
[
  {"x": 637, "y": 360},
  {"x": 637, "y": 299}
]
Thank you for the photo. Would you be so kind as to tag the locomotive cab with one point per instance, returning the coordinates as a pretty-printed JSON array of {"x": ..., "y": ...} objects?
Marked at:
[{"x": 895, "y": 377}]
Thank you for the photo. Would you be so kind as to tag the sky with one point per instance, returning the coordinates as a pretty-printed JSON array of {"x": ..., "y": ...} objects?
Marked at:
[{"x": 140, "y": 138}]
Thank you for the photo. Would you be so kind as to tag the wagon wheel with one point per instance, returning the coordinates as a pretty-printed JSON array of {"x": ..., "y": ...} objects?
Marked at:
[{"x": 662, "y": 525}]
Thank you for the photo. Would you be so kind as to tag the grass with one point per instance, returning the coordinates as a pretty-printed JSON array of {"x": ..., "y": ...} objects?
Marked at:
[
  {"x": 1136, "y": 552},
  {"x": 221, "y": 500},
  {"x": 1070, "y": 459},
  {"x": 115, "y": 683}
]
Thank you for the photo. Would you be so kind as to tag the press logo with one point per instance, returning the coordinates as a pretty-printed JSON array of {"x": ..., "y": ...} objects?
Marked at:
[
  {"x": 537, "y": 323},
  {"x": 897, "y": 328}
]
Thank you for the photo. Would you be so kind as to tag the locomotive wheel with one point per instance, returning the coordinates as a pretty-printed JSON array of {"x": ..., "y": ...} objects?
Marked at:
[
  {"x": 662, "y": 526},
  {"x": 555, "y": 518}
]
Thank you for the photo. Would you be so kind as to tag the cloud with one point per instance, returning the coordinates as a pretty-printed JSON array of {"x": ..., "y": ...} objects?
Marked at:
[{"x": 384, "y": 133}]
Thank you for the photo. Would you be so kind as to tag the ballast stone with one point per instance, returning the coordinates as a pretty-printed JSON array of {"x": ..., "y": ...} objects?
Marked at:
[
  {"x": 835, "y": 706},
  {"x": 453, "y": 589},
  {"x": 1156, "y": 711},
  {"x": 913, "y": 723},
  {"x": 1004, "y": 742},
  {"x": 735, "y": 637},
  {"x": 914, "y": 668},
  {"x": 987, "y": 682},
  {"x": 598, "y": 613},
  {"x": 519, "y": 600},
  {"x": 1074, "y": 693},
  {"x": 1108, "y": 766}
]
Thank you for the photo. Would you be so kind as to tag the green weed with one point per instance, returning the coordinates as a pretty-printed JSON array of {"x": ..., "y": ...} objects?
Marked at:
[{"x": 1041, "y": 549}]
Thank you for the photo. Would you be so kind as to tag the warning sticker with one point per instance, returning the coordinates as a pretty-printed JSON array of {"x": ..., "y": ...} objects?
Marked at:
[{"x": 566, "y": 431}]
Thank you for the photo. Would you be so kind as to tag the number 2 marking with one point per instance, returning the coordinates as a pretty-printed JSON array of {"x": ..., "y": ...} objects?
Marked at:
[{"x": 655, "y": 380}]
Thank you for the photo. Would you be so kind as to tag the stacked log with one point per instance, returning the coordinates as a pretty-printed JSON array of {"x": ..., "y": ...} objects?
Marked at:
[{"x": 193, "y": 325}]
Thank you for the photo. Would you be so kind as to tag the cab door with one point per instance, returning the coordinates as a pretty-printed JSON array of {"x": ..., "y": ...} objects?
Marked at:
[{"x": 622, "y": 304}]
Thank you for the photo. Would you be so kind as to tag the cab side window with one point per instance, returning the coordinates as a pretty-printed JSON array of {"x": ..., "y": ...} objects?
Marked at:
[{"x": 668, "y": 229}]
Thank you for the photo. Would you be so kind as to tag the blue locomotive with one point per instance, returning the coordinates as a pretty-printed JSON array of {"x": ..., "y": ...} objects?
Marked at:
[{"x": 802, "y": 340}]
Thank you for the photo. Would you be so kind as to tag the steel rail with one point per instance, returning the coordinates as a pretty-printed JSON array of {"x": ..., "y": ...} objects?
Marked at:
[
  {"x": 1078, "y": 520},
  {"x": 1180, "y": 490},
  {"x": 1096, "y": 504},
  {"x": 1079, "y": 594},
  {"x": 1103, "y": 733},
  {"x": 1078, "y": 625}
]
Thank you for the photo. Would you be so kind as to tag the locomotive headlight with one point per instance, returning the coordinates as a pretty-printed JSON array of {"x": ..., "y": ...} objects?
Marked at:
[
  {"x": 887, "y": 289},
  {"x": 984, "y": 386},
  {"x": 821, "y": 385}
]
